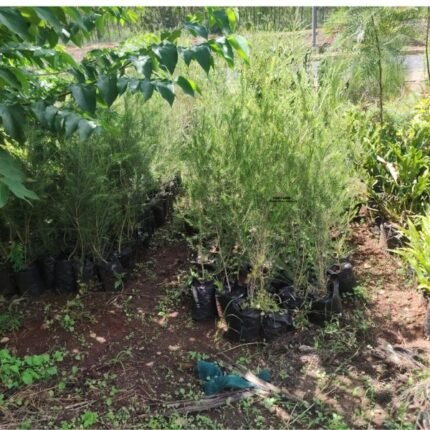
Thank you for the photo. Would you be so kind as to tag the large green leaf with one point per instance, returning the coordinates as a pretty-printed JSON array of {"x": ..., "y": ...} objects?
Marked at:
[
  {"x": 38, "y": 109},
  {"x": 71, "y": 124},
  {"x": 78, "y": 75},
  {"x": 188, "y": 86},
  {"x": 50, "y": 116},
  {"x": 241, "y": 45},
  {"x": 168, "y": 55},
  {"x": 122, "y": 84},
  {"x": 85, "y": 96},
  {"x": 166, "y": 90},
  {"x": 9, "y": 167},
  {"x": 13, "y": 20},
  {"x": 187, "y": 55},
  {"x": 22, "y": 77},
  {"x": 143, "y": 65},
  {"x": 219, "y": 18},
  {"x": 19, "y": 189},
  {"x": 231, "y": 16},
  {"x": 197, "y": 29},
  {"x": 4, "y": 194},
  {"x": 48, "y": 14},
  {"x": 203, "y": 56},
  {"x": 107, "y": 85},
  {"x": 13, "y": 118},
  {"x": 147, "y": 89},
  {"x": 171, "y": 36},
  {"x": 133, "y": 85},
  {"x": 86, "y": 128},
  {"x": 9, "y": 78},
  {"x": 52, "y": 37},
  {"x": 226, "y": 51}
]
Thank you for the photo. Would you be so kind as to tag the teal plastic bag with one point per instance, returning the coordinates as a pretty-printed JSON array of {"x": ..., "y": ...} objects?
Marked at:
[{"x": 216, "y": 381}]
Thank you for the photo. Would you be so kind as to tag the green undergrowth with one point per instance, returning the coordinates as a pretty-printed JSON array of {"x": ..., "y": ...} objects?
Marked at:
[{"x": 16, "y": 372}]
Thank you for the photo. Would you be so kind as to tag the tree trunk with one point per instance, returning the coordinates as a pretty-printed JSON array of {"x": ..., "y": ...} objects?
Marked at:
[
  {"x": 381, "y": 89},
  {"x": 427, "y": 44}
]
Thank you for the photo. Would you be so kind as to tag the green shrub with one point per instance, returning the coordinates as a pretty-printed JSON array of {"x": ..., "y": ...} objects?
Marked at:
[
  {"x": 266, "y": 172},
  {"x": 91, "y": 192},
  {"x": 417, "y": 252},
  {"x": 395, "y": 160},
  {"x": 15, "y": 371},
  {"x": 9, "y": 321}
]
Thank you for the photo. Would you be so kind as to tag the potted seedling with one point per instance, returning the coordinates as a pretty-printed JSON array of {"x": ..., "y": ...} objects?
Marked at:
[
  {"x": 232, "y": 290},
  {"x": 27, "y": 276},
  {"x": 47, "y": 268},
  {"x": 111, "y": 274},
  {"x": 146, "y": 225},
  {"x": 86, "y": 272},
  {"x": 260, "y": 314},
  {"x": 159, "y": 209},
  {"x": 344, "y": 274},
  {"x": 65, "y": 275},
  {"x": 203, "y": 291}
]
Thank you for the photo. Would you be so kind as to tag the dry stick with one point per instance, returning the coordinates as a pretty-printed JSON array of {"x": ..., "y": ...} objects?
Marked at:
[
  {"x": 188, "y": 406},
  {"x": 242, "y": 345},
  {"x": 80, "y": 404},
  {"x": 217, "y": 401},
  {"x": 259, "y": 383}
]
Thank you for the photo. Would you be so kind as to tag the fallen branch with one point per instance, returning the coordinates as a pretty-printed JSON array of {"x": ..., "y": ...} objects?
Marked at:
[
  {"x": 211, "y": 402},
  {"x": 243, "y": 345},
  {"x": 80, "y": 405},
  {"x": 397, "y": 356},
  {"x": 254, "y": 379}
]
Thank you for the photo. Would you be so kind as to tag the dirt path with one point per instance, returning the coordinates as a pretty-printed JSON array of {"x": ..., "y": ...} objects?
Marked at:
[{"x": 128, "y": 350}]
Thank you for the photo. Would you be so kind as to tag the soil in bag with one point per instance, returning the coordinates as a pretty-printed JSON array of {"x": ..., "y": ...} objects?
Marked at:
[
  {"x": 344, "y": 274},
  {"x": 158, "y": 210},
  {"x": 146, "y": 226},
  {"x": 65, "y": 276},
  {"x": 276, "y": 324},
  {"x": 7, "y": 286},
  {"x": 288, "y": 298},
  {"x": 225, "y": 300},
  {"x": 244, "y": 325},
  {"x": 111, "y": 274},
  {"x": 125, "y": 257},
  {"x": 203, "y": 307},
  {"x": 47, "y": 270},
  {"x": 29, "y": 281}
]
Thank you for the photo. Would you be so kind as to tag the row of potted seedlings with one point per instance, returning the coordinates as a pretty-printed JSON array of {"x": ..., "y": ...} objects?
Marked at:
[
  {"x": 63, "y": 275},
  {"x": 247, "y": 324}
]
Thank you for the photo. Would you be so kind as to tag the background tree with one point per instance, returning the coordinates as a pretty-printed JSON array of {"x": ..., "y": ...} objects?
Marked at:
[{"x": 369, "y": 46}]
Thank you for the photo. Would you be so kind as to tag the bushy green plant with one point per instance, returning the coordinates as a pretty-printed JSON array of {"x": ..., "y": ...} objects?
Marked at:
[
  {"x": 417, "y": 251},
  {"x": 395, "y": 161},
  {"x": 9, "y": 321},
  {"x": 91, "y": 191},
  {"x": 266, "y": 172},
  {"x": 16, "y": 257},
  {"x": 15, "y": 371}
]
